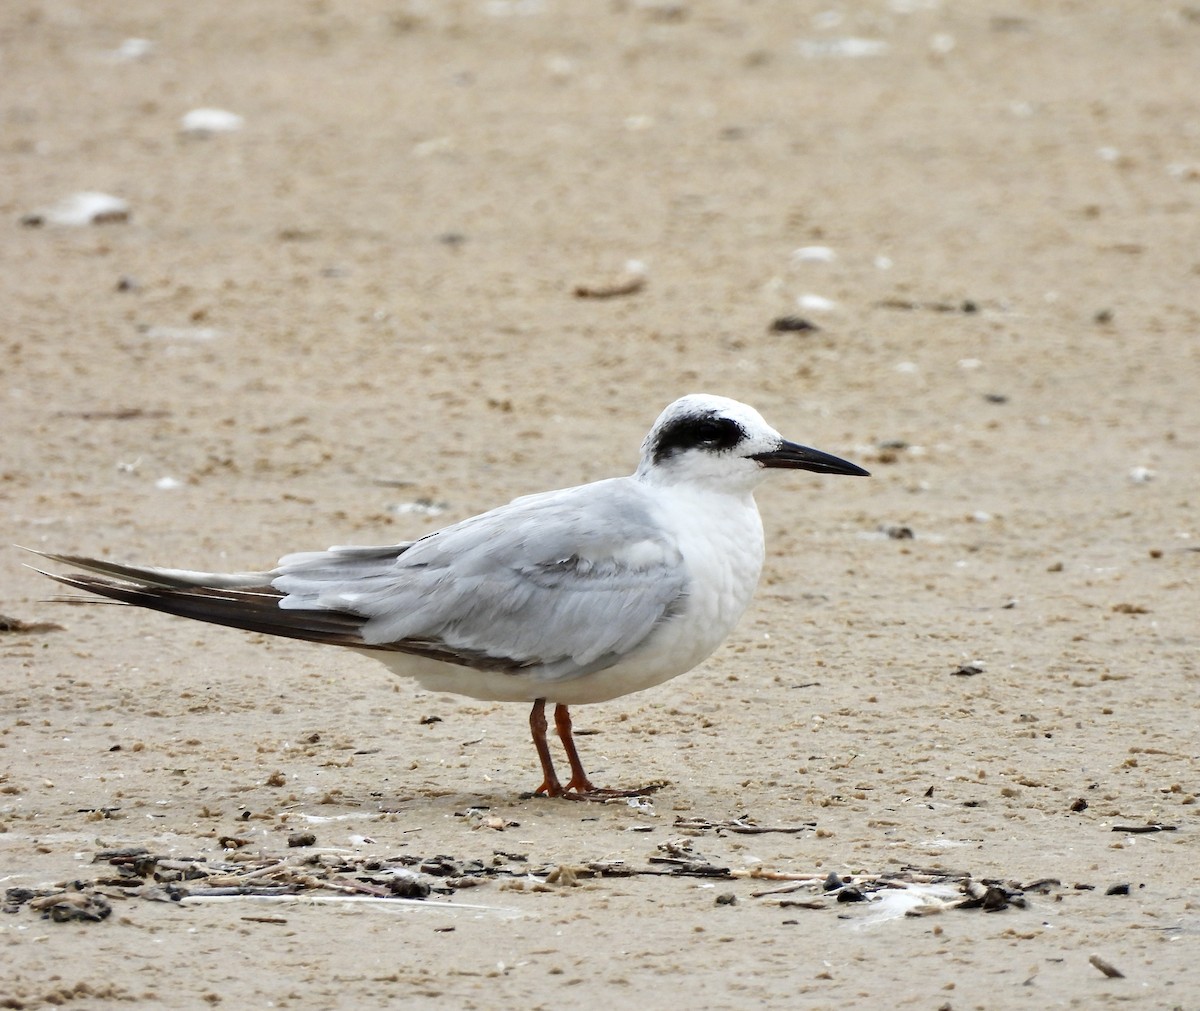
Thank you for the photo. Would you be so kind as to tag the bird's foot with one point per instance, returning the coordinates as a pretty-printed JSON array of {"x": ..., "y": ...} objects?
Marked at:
[{"x": 586, "y": 791}]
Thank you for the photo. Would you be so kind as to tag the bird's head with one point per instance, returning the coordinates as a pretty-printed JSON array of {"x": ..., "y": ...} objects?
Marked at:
[{"x": 726, "y": 445}]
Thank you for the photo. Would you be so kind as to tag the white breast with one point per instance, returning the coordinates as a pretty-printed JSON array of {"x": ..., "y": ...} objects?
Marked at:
[{"x": 720, "y": 537}]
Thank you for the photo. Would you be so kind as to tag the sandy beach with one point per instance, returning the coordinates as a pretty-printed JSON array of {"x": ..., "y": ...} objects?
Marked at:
[{"x": 445, "y": 254}]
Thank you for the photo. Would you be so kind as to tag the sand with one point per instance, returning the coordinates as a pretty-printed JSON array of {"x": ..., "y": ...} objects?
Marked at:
[{"x": 354, "y": 319}]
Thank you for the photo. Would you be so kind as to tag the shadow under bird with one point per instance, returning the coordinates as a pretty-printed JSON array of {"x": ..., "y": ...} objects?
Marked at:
[{"x": 568, "y": 597}]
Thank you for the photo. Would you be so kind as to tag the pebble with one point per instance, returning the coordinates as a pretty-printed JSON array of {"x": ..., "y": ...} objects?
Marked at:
[
  {"x": 132, "y": 49},
  {"x": 792, "y": 324},
  {"x": 816, "y": 303},
  {"x": 629, "y": 282},
  {"x": 990, "y": 898},
  {"x": 67, "y": 906},
  {"x": 813, "y": 254},
  {"x": 206, "y": 122},
  {"x": 848, "y": 47},
  {"x": 419, "y": 507},
  {"x": 1106, "y": 967},
  {"x": 87, "y": 207},
  {"x": 180, "y": 333}
]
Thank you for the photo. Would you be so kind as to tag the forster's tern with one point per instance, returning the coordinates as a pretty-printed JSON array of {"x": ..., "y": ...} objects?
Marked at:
[{"x": 572, "y": 596}]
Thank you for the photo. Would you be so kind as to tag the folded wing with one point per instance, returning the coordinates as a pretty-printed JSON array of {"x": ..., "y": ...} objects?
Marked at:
[
  {"x": 558, "y": 585},
  {"x": 565, "y": 582}
]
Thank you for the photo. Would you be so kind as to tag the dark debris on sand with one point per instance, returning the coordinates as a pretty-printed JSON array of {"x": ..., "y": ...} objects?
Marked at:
[{"x": 137, "y": 873}]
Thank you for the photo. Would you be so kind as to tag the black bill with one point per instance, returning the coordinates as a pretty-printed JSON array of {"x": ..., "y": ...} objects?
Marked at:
[{"x": 792, "y": 456}]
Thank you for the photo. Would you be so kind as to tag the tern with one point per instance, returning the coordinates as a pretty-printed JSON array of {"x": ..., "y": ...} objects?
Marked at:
[{"x": 568, "y": 597}]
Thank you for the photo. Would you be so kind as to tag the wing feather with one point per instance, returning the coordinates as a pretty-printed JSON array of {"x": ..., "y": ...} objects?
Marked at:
[
  {"x": 559, "y": 584},
  {"x": 567, "y": 582}
]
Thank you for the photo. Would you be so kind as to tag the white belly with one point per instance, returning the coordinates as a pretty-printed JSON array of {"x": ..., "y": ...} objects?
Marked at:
[{"x": 721, "y": 540}]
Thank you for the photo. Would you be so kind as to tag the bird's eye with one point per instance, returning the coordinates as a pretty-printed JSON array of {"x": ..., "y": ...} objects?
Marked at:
[{"x": 709, "y": 435}]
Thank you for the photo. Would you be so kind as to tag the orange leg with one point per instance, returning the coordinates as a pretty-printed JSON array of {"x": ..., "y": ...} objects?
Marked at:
[
  {"x": 550, "y": 787},
  {"x": 579, "y": 787},
  {"x": 579, "y": 779}
]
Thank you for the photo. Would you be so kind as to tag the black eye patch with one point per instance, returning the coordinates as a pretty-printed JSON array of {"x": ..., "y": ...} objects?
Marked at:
[{"x": 708, "y": 432}]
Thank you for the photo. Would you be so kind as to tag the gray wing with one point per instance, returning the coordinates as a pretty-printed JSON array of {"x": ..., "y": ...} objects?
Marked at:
[{"x": 565, "y": 582}]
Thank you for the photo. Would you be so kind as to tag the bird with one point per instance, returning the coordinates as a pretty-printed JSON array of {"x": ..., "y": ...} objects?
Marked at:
[{"x": 566, "y": 597}]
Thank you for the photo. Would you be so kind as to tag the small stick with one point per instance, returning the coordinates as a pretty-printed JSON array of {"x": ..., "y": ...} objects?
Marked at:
[
  {"x": 355, "y": 888},
  {"x": 624, "y": 286},
  {"x": 1143, "y": 829},
  {"x": 784, "y": 889},
  {"x": 780, "y": 875}
]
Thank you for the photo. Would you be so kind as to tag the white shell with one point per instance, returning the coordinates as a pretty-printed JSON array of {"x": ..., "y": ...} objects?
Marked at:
[{"x": 203, "y": 122}]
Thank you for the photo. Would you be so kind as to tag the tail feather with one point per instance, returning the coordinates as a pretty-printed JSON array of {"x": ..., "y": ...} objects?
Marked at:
[
  {"x": 153, "y": 576},
  {"x": 253, "y": 610},
  {"x": 248, "y": 601}
]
